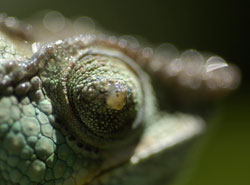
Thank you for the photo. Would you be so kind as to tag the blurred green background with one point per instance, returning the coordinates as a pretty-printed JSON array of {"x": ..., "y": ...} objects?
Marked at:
[{"x": 219, "y": 26}]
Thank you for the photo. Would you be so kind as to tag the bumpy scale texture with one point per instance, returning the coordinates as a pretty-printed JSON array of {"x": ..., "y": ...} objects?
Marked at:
[{"x": 32, "y": 150}]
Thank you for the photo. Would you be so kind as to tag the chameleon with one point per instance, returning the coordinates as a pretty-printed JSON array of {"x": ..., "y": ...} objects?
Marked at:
[{"x": 89, "y": 109}]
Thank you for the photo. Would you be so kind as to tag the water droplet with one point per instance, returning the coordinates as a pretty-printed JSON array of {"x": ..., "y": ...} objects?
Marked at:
[
  {"x": 83, "y": 25},
  {"x": 10, "y": 22},
  {"x": 214, "y": 63},
  {"x": 193, "y": 62},
  {"x": 174, "y": 67},
  {"x": 166, "y": 52},
  {"x": 131, "y": 41},
  {"x": 35, "y": 47},
  {"x": 54, "y": 21},
  {"x": 122, "y": 43},
  {"x": 147, "y": 52},
  {"x": 192, "y": 56}
]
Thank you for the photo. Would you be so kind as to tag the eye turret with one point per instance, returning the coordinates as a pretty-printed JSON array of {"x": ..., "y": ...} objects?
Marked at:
[{"x": 97, "y": 92}]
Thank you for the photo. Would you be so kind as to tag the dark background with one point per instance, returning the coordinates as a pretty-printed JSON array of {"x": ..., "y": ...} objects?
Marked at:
[{"x": 219, "y": 26}]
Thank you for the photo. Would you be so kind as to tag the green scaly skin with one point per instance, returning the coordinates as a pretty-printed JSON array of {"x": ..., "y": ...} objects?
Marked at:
[{"x": 43, "y": 138}]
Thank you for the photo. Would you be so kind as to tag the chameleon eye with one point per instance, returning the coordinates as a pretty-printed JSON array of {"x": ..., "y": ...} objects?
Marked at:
[{"x": 96, "y": 90}]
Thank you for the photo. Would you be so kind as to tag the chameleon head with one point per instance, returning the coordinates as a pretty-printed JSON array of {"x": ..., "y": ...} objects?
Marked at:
[
  {"x": 98, "y": 94},
  {"x": 90, "y": 88}
]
